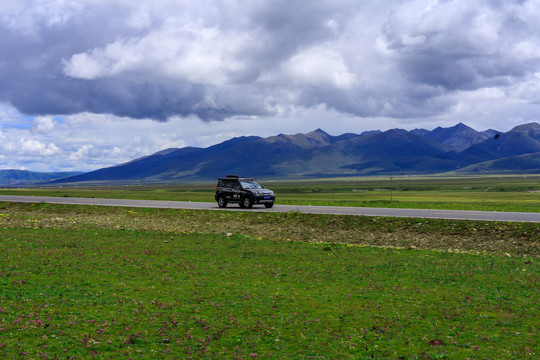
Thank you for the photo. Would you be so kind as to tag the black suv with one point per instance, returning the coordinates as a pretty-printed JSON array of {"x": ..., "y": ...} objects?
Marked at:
[{"x": 244, "y": 191}]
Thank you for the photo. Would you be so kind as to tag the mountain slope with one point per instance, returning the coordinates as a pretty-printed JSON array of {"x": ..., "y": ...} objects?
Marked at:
[
  {"x": 163, "y": 165},
  {"x": 522, "y": 139},
  {"x": 528, "y": 163},
  {"x": 395, "y": 151}
]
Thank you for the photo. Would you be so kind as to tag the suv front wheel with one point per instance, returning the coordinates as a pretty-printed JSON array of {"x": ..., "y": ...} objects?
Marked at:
[
  {"x": 247, "y": 203},
  {"x": 222, "y": 202}
]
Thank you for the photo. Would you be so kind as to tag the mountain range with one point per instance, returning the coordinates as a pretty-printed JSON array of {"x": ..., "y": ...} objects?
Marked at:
[
  {"x": 458, "y": 149},
  {"x": 16, "y": 177}
]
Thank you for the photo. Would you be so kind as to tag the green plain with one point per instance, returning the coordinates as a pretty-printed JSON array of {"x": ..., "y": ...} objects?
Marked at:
[
  {"x": 118, "y": 283},
  {"x": 489, "y": 193}
]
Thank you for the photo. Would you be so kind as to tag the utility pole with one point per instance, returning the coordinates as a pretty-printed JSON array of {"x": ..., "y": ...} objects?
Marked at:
[{"x": 391, "y": 187}]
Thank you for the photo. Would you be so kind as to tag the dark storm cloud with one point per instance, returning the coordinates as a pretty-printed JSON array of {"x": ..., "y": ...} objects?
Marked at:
[
  {"x": 33, "y": 61},
  {"x": 289, "y": 25},
  {"x": 216, "y": 59},
  {"x": 466, "y": 46}
]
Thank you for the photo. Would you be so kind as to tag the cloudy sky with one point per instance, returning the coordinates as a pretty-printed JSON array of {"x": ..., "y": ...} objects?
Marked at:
[{"x": 86, "y": 84}]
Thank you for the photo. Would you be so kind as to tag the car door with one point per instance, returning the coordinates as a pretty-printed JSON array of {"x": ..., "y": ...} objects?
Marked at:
[
  {"x": 228, "y": 190},
  {"x": 236, "y": 191}
]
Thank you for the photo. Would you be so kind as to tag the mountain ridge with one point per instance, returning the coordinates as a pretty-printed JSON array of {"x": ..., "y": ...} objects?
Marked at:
[
  {"x": 457, "y": 149},
  {"x": 458, "y": 137}
]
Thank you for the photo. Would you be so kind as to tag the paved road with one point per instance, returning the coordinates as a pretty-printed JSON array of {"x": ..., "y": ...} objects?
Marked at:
[{"x": 337, "y": 210}]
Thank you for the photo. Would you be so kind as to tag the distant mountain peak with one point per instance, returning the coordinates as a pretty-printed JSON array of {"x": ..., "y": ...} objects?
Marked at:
[
  {"x": 531, "y": 130},
  {"x": 313, "y": 139},
  {"x": 457, "y": 137},
  {"x": 319, "y": 131},
  {"x": 534, "y": 127},
  {"x": 166, "y": 151},
  {"x": 458, "y": 127},
  {"x": 461, "y": 126},
  {"x": 531, "y": 125}
]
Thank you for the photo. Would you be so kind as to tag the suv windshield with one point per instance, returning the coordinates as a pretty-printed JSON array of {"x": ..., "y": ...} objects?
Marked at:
[{"x": 250, "y": 185}]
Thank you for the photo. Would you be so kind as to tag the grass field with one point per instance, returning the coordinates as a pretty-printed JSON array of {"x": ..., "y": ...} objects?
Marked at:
[
  {"x": 502, "y": 193},
  {"x": 95, "y": 282}
]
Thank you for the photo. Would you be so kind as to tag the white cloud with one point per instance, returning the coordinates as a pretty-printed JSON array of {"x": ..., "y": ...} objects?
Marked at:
[
  {"x": 31, "y": 147},
  {"x": 187, "y": 52},
  {"x": 43, "y": 124},
  {"x": 81, "y": 152},
  {"x": 85, "y": 66},
  {"x": 318, "y": 66},
  {"x": 28, "y": 17}
]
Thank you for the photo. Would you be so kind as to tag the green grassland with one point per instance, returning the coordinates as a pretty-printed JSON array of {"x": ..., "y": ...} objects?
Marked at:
[
  {"x": 494, "y": 193},
  {"x": 98, "y": 282}
]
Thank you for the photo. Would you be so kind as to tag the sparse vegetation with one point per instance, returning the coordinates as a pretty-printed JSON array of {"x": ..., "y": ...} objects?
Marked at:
[{"x": 98, "y": 282}]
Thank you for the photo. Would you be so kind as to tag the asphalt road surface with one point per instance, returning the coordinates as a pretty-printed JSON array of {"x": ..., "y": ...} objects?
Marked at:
[{"x": 337, "y": 210}]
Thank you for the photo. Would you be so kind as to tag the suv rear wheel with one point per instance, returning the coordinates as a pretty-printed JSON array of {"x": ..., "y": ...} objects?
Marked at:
[
  {"x": 268, "y": 205},
  {"x": 222, "y": 202}
]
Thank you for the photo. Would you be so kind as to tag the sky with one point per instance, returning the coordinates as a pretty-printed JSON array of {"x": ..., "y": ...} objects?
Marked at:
[{"x": 86, "y": 84}]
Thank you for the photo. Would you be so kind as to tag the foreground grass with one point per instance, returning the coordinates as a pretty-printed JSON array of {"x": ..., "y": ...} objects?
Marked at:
[{"x": 84, "y": 282}]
